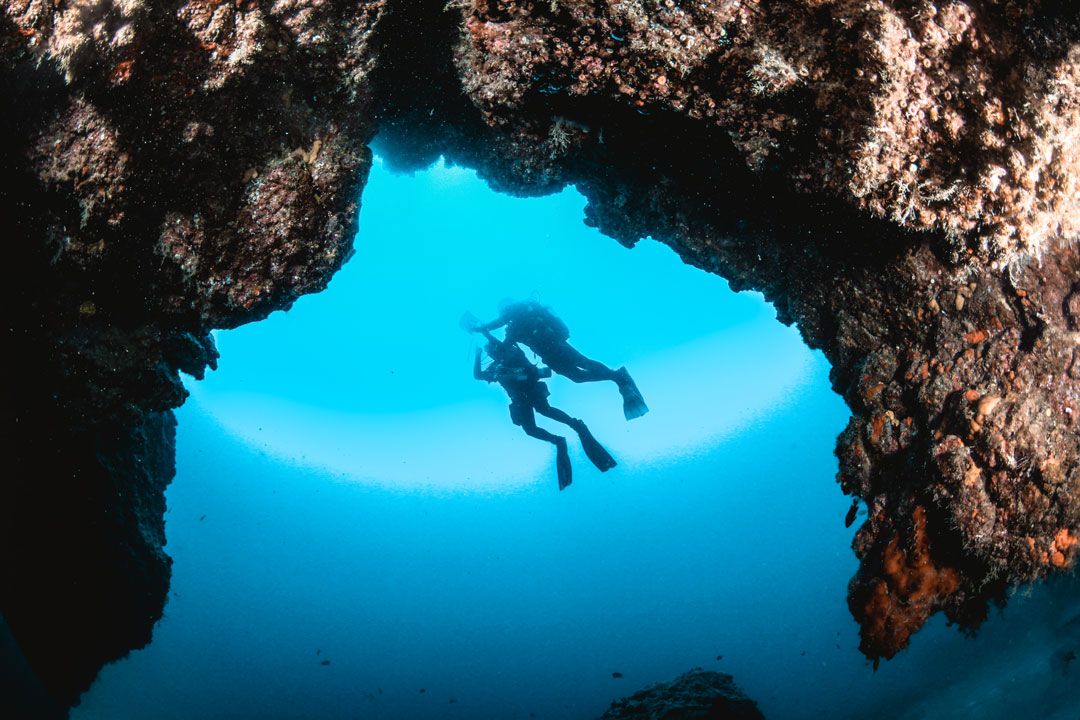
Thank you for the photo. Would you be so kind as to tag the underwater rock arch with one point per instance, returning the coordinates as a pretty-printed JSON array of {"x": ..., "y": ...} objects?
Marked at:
[{"x": 901, "y": 185}]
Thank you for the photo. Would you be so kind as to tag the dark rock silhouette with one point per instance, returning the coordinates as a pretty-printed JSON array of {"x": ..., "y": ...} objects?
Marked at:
[
  {"x": 84, "y": 573},
  {"x": 695, "y": 695}
]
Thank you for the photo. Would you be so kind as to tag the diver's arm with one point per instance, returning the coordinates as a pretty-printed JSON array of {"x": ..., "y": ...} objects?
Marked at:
[
  {"x": 544, "y": 371},
  {"x": 493, "y": 325}
]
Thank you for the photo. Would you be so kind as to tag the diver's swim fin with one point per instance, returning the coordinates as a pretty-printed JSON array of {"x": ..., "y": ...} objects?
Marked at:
[
  {"x": 633, "y": 404},
  {"x": 596, "y": 453},
  {"x": 562, "y": 464}
]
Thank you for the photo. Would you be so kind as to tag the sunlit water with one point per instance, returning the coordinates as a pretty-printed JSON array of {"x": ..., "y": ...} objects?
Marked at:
[{"x": 360, "y": 532}]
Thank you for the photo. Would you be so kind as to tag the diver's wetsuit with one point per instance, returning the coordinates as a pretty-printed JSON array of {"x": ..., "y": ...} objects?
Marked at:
[
  {"x": 528, "y": 395},
  {"x": 535, "y": 326},
  {"x": 531, "y": 324}
]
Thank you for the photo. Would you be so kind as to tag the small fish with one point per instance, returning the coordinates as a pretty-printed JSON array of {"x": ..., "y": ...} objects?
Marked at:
[
  {"x": 803, "y": 653},
  {"x": 201, "y": 518},
  {"x": 423, "y": 690},
  {"x": 719, "y": 658},
  {"x": 852, "y": 511},
  {"x": 318, "y": 652},
  {"x": 380, "y": 691},
  {"x": 453, "y": 700},
  {"x": 325, "y": 662},
  {"x": 616, "y": 675}
]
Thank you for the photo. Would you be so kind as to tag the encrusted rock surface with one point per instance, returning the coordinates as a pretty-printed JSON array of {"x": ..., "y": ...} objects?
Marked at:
[
  {"x": 954, "y": 116},
  {"x": 900, "y": 179},
  {"x": 694, "y": 695},
  {"x": 185, "y": 166}
]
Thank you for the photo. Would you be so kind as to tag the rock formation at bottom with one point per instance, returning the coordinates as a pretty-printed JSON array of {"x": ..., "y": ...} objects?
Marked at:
[{"x": 695, "y": 695}]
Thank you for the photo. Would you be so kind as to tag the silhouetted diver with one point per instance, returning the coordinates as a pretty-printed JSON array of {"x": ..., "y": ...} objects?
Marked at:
[
  {"x": 528, "y": 395},
  {"x": 536, "y": 326}
]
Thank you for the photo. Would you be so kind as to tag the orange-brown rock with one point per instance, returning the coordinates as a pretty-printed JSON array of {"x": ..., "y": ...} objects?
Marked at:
[{"x": 910, "y": 587}]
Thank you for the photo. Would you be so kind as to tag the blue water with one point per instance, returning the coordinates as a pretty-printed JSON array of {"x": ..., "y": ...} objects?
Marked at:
[{"x": 346, "y": 492}]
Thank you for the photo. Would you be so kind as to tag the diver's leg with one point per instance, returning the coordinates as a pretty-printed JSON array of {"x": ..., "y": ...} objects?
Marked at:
[
  {"x": 523, "y": 416},
  {"x": 534, "y": 430},
  {"x": 594, "y": 368},
  {"x": 544, "y": 408},
  {"x": 596, "y": 453},
  {"x": 570, "y": 371},
  {"x": 569, "y": 362}
]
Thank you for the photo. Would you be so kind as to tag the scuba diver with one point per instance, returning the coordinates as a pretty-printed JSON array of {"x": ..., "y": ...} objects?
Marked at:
[
  {"x": 528, "y": 395},
  {"x": 535, "y": 326}
]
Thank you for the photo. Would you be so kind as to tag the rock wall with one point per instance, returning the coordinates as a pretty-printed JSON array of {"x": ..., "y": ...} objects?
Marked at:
[
  {"x": 899, "y": 178},
  {"x": 84, "y": 573},
  {"x": 170, "y": 167}
]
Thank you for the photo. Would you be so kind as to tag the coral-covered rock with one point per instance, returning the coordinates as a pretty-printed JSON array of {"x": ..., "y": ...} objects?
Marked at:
[
  {"x": 694, "y": 695},
  {"x": 135, "y": 100},
  {"x": 954, "y": 116},
  {"x": 969, "y": 430}
]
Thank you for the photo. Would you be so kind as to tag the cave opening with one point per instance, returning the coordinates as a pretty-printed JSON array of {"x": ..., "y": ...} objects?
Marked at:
[
  {"x": 354, "y": 513},
  {"x": 347, "y": 492},
  {"x": 377, "y": 368}
]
